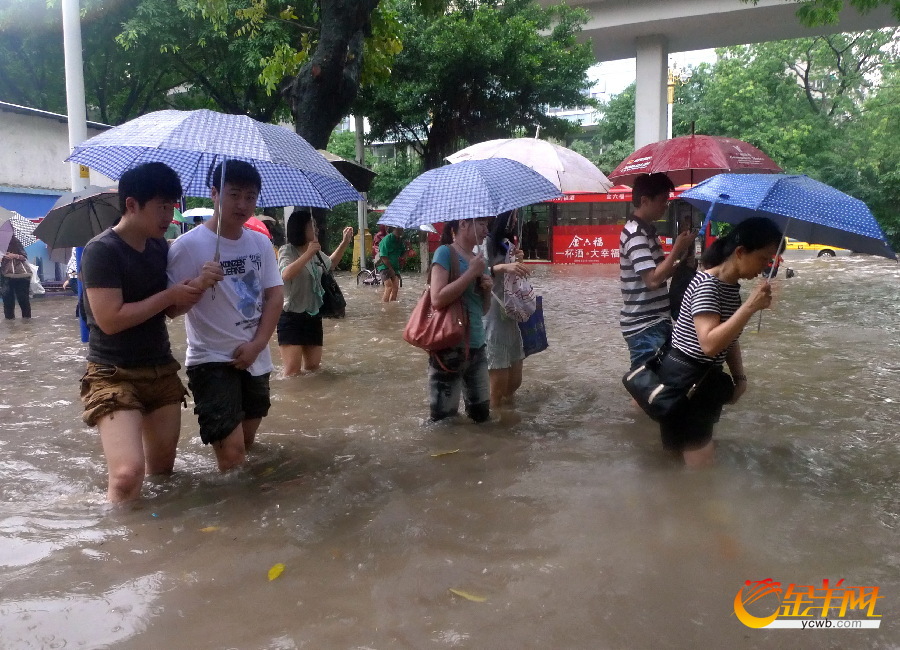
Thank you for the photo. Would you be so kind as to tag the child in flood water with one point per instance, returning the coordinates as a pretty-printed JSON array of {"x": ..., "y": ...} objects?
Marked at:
[
  {"x": 706, "y": 334},
  {"x": 131, "y": 390}
]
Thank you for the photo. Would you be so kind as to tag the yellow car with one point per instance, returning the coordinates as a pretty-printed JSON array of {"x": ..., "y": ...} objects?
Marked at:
[{"x": 821, "y": 250}]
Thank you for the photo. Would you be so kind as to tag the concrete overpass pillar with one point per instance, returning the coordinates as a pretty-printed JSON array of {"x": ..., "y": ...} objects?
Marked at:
[{"x": 650, "y": 93}]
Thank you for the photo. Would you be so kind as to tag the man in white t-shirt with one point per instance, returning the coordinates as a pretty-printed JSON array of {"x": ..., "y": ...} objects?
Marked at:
[{"x": 228, "y": 360}]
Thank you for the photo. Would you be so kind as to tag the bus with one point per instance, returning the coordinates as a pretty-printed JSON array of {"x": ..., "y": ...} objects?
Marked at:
[{"x": 584, "y": 227}]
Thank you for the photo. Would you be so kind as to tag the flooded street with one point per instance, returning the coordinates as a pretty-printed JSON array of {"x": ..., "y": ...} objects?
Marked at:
[{"x": 564, "y": 522}]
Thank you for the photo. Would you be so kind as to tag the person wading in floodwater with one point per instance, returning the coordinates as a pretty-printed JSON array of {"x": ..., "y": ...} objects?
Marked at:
[
  {"x": 131, "y": 390},
  {"x": 644, "y": 269}
]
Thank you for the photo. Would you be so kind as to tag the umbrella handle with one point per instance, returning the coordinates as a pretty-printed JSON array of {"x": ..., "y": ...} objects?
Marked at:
[
  {"x": 781, "y": 247},
  {"x": 217, "y": 215}
]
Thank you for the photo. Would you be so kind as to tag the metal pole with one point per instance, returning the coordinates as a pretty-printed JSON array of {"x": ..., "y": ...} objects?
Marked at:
[
  {"x": 75, "y": 104},
  {"x": 77, "y": 114},
  {"x": 362, "y": 211}
]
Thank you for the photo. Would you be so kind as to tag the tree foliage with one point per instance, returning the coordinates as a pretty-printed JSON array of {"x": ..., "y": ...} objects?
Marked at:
[
  {"x": 138, "y": 56},
  {"x": 825, "y": 106},
  {"x": 482, "y": 70},
  {"x": 827, "y": 12}
]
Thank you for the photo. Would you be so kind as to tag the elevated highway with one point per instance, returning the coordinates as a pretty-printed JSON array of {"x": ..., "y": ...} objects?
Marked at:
[{"x": 650, "y": 30}]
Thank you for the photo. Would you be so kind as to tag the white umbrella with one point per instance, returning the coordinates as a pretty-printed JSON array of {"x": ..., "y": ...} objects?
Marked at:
[
  {"x": 205, "y": 213},
  {"x": 567, "y": 170}
]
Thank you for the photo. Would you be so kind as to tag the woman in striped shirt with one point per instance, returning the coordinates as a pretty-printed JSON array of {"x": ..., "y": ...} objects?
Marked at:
[{"x": 706, "y": 333}]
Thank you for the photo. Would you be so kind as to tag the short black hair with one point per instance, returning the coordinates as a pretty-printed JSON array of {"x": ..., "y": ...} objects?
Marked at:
[
  {"x": 296, "y": 226},
  {"x": 651, "y": 186},
  {"x": 237, "y": 172},
  {"x": 149, "y": 181}
]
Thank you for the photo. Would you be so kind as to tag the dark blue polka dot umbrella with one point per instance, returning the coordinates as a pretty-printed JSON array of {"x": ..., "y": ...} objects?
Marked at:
[{"x": 804, "y": 208}]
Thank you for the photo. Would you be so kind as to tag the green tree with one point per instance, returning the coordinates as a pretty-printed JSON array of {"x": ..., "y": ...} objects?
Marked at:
[
  {"x": 827, "y": 12},
  {"x": 825, "y": 107},
  {"x": 164, "y": 58},
  {"x": 483, "y": 70},
  {"x": 317, "y": 54},
  {"x": 615, "y": 130}
]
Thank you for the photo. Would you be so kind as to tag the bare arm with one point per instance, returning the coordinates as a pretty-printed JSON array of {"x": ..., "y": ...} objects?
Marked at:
[
  {"x": 715, "y": 336},
  {"x": 444, "y": 293},
  {"x": 114, "y": 315},
  {"x": 210, "y": 274},
  {"x": 735, "y": 362},
  {"x": 293, "y": 269},
  {"x": 339, "y": 251},
  {"x": 666, "y": 269}
]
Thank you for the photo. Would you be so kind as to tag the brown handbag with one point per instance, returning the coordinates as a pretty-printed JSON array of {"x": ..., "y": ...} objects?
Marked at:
[
  {"x": 15, "y": 269},
  {"x": 437, "y": 329}
]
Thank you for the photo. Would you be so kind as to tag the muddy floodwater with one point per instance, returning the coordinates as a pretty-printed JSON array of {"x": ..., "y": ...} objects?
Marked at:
[{"x": 560, "y": 525}]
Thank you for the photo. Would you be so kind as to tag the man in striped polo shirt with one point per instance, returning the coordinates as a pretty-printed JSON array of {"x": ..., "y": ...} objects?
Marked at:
[{"x": 644, "y": 269}]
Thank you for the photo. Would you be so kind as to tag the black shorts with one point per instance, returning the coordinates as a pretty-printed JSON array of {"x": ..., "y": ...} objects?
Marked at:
[
  {"x": 691, "y": 426},
  {"x": 299, "y": 329},
  {"x": 224, "y": 397}
]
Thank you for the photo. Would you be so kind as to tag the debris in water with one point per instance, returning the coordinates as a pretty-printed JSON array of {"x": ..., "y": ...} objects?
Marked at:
[
  {"x": 468, "y": 596},
  {"x": 444, "y": 453},
  {"x": 276, "y": 571}
]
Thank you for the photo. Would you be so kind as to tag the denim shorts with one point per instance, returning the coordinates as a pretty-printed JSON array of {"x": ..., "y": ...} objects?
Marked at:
[
  {"x": 642, "y": 345},
  {"x": 224, "y": 397},
  {"x": 106, "y": 389},
  {"x": 449, "y": 372}
]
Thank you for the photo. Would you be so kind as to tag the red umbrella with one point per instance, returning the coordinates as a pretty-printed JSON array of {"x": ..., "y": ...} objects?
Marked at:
[
  {"x": 694, "y": 158},
  {"x": 255, "y": 224}
]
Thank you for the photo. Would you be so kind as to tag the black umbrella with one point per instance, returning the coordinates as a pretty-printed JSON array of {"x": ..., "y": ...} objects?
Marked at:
[
  {"x": 360, "y": 177},
  {"x": 78, "y": 217}
]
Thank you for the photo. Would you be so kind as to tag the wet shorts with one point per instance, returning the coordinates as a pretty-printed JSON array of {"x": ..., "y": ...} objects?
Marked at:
[
  {"x": 386, "y": 274},
  {"x": 107, "y": 389},
  {"x": 299, "y": 328},
  {"x": 224, "y": 397}
]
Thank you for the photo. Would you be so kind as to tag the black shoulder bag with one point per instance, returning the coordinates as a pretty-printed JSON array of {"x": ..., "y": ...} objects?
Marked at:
[{"x": 333, "y": 303}]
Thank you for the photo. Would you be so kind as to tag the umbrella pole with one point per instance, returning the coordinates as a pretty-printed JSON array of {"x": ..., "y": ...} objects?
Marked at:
[
  {"x": 217, "y": 213},
  {"x": 778, "y": 253},
  {"x": 217, "y": 209}
]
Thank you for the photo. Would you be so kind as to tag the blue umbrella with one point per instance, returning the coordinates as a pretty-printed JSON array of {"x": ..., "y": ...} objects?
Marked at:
[
  {"x": 467, "y": 190},
  {"x": 804, "y": 208},
  {"x": 194, "y": 142}
]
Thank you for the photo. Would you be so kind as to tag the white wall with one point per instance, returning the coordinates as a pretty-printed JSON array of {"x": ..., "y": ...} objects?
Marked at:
[{"x": 34, "y": 147}]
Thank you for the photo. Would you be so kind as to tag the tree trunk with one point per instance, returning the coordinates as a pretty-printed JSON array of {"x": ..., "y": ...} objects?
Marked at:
[{"x": 321, "y": 94}]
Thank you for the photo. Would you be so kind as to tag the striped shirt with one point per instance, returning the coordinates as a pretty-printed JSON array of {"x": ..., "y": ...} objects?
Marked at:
[
  {"x": 705, "y": 294},
  {"x": 640, "y": 250}
]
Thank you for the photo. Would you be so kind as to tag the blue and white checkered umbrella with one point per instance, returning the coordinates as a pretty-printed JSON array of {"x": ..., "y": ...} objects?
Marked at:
[
  {"x": 194, "y": 142},
  {"x": 804, "y": 208},
  {"x": 467, "y": 190},
  {"x": 13, "y": 223}
]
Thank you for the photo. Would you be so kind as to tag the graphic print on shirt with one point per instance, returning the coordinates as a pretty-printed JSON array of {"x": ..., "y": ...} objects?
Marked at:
[{"x": 244, "y": 274}]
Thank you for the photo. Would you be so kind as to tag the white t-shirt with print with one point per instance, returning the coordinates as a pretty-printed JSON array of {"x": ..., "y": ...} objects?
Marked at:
[{"x": 228, "y": 317}]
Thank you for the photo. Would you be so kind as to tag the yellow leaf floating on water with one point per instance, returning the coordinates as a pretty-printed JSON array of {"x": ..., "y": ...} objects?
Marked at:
[
  {"x": 209, "y": 529},
  {"x": 444, "y": 453},
  {"x": 267, "y": 471},
  {"x": 468, "y": 596},
  {"x": 276, "y": 571}
]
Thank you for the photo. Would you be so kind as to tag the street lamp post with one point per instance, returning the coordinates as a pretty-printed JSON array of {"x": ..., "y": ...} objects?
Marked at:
[{"x": 677, "y": 76}]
